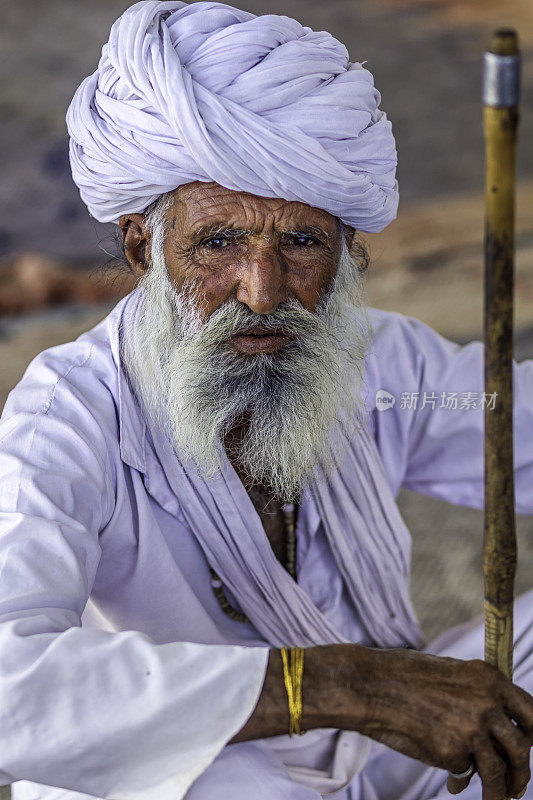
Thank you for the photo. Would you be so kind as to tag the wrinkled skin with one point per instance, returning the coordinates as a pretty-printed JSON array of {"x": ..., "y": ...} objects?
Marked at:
[
  {"x": 456, "y": 710},
  {"x": 438, "y": 710},
  {"x": 261, "y": 269}
]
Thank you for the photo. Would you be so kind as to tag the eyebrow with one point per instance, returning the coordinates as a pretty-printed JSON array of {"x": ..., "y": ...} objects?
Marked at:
[
  {"x": 311, "y": 230},
  {"x": 219, "y": 228}
]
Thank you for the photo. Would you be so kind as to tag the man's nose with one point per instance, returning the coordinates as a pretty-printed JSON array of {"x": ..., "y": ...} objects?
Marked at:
[{"x": 263, "y": 284}]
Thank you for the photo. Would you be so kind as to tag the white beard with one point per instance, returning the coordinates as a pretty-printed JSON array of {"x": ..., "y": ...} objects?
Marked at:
[{"x": 197, "y": 388}]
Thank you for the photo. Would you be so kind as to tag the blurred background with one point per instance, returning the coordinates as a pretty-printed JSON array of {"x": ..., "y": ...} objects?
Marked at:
[{"x": 58, "y": 276}]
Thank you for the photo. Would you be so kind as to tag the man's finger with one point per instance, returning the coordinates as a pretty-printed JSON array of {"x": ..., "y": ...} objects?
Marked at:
[
  {"x": 519, "y": 705},
  {"x": 456, "y": 785},
  {"x": 515, "y": 746},
  {"x": 492, "y": 771}
]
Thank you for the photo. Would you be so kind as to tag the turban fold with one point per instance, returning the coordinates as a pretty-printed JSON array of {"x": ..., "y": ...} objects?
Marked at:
[{"x": 261, "y": 104}]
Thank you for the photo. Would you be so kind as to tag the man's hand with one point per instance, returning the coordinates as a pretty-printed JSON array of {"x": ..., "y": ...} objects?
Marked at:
[
  {"x": 442, "y": 711},
  {"x": 448, "y": 713}
]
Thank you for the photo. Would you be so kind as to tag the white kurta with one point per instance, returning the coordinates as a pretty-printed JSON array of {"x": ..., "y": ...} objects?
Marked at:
[{"x": 120, "y": 676}]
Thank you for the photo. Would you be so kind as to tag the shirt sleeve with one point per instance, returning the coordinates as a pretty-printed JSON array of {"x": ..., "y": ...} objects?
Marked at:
[
  {"x": 108, "y": 714},
  {"x": 437, "y": 421}
]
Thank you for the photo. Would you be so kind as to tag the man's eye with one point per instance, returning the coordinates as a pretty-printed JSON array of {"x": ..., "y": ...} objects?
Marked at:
[
  {"x": 216, "y": 242},
  {"x": 303, "y": 241}
]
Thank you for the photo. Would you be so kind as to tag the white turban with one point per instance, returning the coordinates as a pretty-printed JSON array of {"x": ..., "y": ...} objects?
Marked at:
[{"x": 261, "y": 104}]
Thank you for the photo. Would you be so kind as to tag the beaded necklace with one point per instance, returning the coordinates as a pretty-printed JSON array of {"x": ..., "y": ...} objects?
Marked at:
[{"x": 289, "y": 519}]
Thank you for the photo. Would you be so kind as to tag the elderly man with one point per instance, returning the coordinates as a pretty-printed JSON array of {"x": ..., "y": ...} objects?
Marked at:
[{"x": 200, "y": 548}]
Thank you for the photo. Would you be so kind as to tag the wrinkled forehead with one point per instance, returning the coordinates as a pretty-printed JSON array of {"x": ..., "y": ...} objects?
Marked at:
[{"x": 200, "y": 204}]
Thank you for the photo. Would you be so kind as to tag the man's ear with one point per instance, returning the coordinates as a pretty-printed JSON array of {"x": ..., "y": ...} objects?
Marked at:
[
  {"x": 136, "y": 238},
  {"x": 349, "y": 234}
]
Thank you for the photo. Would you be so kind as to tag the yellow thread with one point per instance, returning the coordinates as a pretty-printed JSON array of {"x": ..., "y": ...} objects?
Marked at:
[{"x": 292, "y": 676}]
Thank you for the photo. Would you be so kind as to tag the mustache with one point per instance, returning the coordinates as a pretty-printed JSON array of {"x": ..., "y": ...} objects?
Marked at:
[{"x": 234, "y": 317}]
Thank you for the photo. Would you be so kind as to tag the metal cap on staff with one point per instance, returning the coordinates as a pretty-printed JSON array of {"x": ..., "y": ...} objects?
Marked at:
[{"x": 501, "y": 70}]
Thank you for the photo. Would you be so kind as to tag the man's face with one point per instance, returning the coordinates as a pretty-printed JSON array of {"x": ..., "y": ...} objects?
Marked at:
[
  {"x": 251, "y": 319},
  {"x": 261, "y": 251}
]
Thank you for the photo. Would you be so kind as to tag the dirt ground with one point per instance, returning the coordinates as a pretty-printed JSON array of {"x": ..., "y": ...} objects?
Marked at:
[{"x": 426, "y": 60}]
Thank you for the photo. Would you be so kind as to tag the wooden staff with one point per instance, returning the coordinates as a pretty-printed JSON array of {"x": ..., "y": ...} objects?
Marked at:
[{"x": 501, "y": 88}]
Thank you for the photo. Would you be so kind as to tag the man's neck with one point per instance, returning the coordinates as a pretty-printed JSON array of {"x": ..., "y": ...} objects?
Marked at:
[
  {"x": 268, "y": 507},
  {"x": 261, "y": 492}
]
